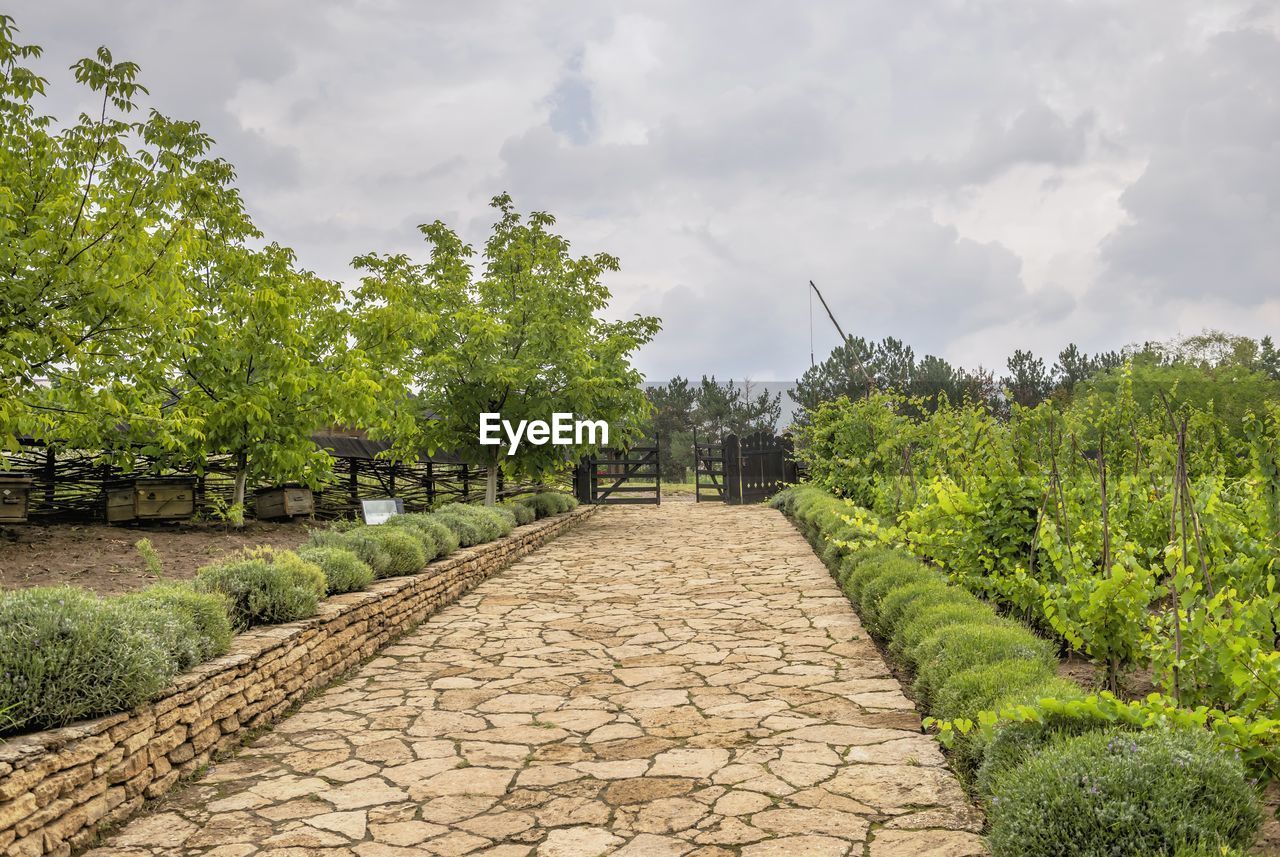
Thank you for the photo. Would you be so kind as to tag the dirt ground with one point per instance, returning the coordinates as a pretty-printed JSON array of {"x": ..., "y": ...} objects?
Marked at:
[{"x": 103, "y": 558}]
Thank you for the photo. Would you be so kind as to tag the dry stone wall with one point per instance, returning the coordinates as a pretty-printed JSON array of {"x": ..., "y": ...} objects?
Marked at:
[{"x": 60, "y": 786}]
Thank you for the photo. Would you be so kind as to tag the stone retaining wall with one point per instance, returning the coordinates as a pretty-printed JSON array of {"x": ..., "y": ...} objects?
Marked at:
[{"x": 60, "y": 786}]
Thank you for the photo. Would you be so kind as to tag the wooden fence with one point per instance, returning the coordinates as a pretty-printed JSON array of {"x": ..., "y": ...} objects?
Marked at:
[{"x": 69, "y": 485}]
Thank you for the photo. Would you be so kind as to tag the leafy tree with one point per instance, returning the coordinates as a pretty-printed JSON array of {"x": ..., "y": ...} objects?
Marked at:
[
  {"x": 267, "y": 365},
  {"x": 97, "y": 221},
  {"x": 519, "y": 337}
]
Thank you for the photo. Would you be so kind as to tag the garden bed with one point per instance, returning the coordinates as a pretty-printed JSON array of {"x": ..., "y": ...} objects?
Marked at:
[
  {"x": 103, "y": 559},
  {"x": 1057, "y": 772},
  {"x": 59, "y": 786}
]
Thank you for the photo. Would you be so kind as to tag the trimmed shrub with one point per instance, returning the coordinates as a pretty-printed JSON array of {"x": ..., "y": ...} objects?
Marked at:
[
  {"x": 548, "y": 503},
  {"x": 446, "y": 539},
  {"x": 66, "y": 655},
  {"x": 343, "y": 570},
  {"x": 525, "y": 513},
  {"x": 327, "y": 538},
  {"x": 1120, "y": 793},
  {"x": 982, "y": 687},
  {"x": 474, "y": 525},
  {"x": 365, "y": 545},
  {"x": 1014, "y": 744},
  {"x": 859, "y": 562},
  {"x": 204, "y": 631},
  {"x": 509, "y": 515},
  {"x": 264, "y": 586},
  {"x": 895, "y": 577},
  {"x": 905, "y": 601},
  {"x": 862, "y": 570},
  {"x": 955, "y": 648},
  {"x": 421, "y": 527},
  {"x": 404, "y": 550},
  {"x": 911, "y": 633}
]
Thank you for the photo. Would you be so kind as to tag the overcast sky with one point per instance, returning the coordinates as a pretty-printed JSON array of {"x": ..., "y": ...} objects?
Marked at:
[{"x": 972, "y": 177}]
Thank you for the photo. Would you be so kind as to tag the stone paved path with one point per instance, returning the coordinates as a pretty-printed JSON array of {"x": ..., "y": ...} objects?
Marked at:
[{"x": 680, "y": 680}]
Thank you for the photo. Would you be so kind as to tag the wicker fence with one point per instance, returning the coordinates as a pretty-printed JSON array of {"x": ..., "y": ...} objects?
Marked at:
[{"x": 70, "y": 484}]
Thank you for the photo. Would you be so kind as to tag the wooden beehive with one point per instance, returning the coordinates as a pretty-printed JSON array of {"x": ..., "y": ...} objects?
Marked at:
[
  {"x": 15, "y": 491},
  {"x": 164, "y": 498},
  {"x": 286, "y": 501}
]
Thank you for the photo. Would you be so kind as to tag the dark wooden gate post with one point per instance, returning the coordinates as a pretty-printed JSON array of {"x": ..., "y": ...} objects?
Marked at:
[
  {"x": 582, "y": 480},
  {"x": 732, "y": 452}
]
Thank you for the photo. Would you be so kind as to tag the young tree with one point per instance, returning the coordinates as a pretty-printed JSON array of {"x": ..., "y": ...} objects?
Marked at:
[
  {"x": 97, "y": 222},
  {"x": 714, "y": 412},
  {"x": 267, "y": 365},
  {"x": 520, "y": 337},
  {"x": 844, "y": 373},
  {"x": 754, "y": 411},
  {"x": 1028, "y": 382},
  {"x": 672, "y": 419},
  {"x": 935, "y": 379}
]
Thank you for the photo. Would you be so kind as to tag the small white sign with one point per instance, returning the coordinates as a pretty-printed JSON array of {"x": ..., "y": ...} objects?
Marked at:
[{"x": 377, "y": 511}]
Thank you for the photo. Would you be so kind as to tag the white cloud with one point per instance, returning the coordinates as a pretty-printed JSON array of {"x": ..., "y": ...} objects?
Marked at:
[{"x": 971, "y": 178}]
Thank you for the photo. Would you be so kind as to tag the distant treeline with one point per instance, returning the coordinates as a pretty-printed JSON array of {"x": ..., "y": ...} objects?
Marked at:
[
  {"x": 861, "y": 366},
  {"x": 1230, "y": 373}
]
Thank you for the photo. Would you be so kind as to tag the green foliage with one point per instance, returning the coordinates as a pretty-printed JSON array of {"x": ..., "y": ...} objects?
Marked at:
[
  {"x": 99, "y": 221},
  {"x": 521, "y": 335},
  {"x": 984, "y": 687},
  {"x": 343, "y": 570},
  {"x": 422, "y": 527},
  {"x": 1136, "y": 519},
  {"x": 547, "y": 503},
  {"x": 524, "y": 513},
  {"x": 264, "y": 586},
  {"x": 909, "y": 637},
  {"x": 446, "y": 539},
  {"x": 66, "y": 655},
  {"x": 508, "y": 515},
  {"x": 404, "y": 549},
  {"x": 949, "y": 650},
  {"x": 150, "y": 558},
  {"x": 200, "y": 629},
  {"x": 1012, "y": 744},
  {"x": 361, "y": 542},
  {"x": 1113, "y": 793},
  {"x": 895, "y": 575},
  {"x": 267, "y": 366},
  {"x": 474, "y": 525}
]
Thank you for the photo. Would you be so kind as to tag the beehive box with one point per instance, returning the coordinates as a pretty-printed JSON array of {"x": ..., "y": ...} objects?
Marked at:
[
  {"x": 15, "y": 491},
  {"x": 286, "y": 501},
  {"x": 165, "y": 498}
]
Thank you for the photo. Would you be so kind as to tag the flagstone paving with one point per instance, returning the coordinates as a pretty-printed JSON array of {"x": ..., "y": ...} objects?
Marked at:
[{"x": 674, "y": 680}]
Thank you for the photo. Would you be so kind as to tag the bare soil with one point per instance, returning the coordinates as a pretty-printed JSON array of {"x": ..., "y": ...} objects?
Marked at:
[{"x": 103, "y": 558}]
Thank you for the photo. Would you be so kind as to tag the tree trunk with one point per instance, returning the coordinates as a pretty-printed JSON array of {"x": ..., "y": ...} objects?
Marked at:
[
  {"x": 242, "y": 476},
  {"x": 491, "y": 484}
]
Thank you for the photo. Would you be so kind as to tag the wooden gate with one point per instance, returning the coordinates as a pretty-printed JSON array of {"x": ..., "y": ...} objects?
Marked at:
[
  {"x": 619, "y": 476},
  {"x": 708, "y": 471},
  {"x": 756, "y": 467}
]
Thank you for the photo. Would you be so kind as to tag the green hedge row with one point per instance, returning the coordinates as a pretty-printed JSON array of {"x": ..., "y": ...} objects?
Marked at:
[
  {"x": 1060, "y": 787},
  {"x": 67, "y": 655}
]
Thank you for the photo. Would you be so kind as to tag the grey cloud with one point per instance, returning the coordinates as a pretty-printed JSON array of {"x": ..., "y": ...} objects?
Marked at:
[
  {"x": 966, "y": 177},
  {"x": 1204, "y": 217}
]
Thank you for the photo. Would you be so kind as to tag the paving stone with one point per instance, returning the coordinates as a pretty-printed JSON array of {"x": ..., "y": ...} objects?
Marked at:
[{"x": 676, "y": 681}]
